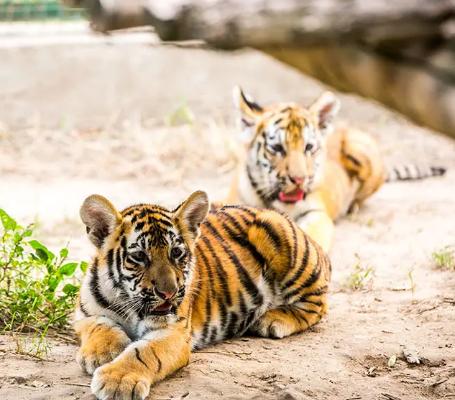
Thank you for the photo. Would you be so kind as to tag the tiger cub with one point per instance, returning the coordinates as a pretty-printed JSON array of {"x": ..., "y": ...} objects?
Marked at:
[
  {"x": 164, "y": 282},
  {"x": 294, "y": 163}
]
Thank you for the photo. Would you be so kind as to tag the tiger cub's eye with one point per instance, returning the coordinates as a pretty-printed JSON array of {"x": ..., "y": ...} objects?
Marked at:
[
  {"x": 138, "y": 257},
  {"x": 176, "y": 253},
  {"x": 277, "y": 148},
  {"x": 309, "y": 147}
]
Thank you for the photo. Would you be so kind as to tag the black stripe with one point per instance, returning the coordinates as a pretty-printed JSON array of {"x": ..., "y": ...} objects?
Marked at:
[
  {"x": 293, "y": 245},
  {"x": 245, "y": 278},
  {"x": 302, "y": 267},
  {"x": 157, "y": 359},
  {"x": 308, "y": 311},
  {"x": 110, "y": 262},
  {"x": 208, "y": 300},
  {"x": 251, "y": 104},
  {"x": 246, "y": 122},
  {"x": 94, "y": 286},
  {"x": 301, "y": 316},
  {"x": 83, "y": 309},
  {"x": 231, "y": 329},
  {"x": 224, "y": 297},
  {"x": 221, "y": 273},
  {"x": 166, "y": 222},
  {"x": 304, "y": 299},
  {"x": 240, "y": 237},
  {"x": 248, "y": 210},
  {"x": 315, "y": 274},
  {"x": 138, "y": 356},
  {"x": 254, "y": 184},
  {"x": 305, "y": 213},
  {"x": 133, "y": 396},
  {"x": 213, "y": 334},
  {"x": 139, "y": 226},
  {"x": 322, "y": 290},
  {"x": 353, "y": 160},
  {"x": 274, "y": 236}
]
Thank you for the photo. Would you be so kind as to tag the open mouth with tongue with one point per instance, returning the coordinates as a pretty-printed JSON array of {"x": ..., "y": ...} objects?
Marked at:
[
  {"x": 163, "y": 309},
  {"x": 291, "y": 197}
]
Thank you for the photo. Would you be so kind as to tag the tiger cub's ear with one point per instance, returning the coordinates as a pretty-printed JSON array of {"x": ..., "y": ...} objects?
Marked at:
[
  {"x": 100, "y": 217},
  {"x": 191, "y": 213},
  {"x": 326, "y": 108},
  {"x": 249, "y": 111}
]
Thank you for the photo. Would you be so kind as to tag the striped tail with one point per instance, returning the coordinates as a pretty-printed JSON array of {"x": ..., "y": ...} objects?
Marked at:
[{"x": 413, "y": 172}]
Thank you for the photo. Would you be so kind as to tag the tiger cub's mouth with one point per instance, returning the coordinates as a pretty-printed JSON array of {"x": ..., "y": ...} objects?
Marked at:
[
  {"x": 163, "y": 309},
  {"x": 291, "y": 197}
]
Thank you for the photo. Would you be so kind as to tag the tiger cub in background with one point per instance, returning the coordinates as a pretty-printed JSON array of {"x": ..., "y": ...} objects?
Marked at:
[
  {"x": 294, "y": 163},
  {"x": 165, "y": 282}
]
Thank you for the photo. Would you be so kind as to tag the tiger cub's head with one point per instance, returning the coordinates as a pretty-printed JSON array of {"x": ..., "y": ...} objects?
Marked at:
[
  {"x": 147, "y": 251},
  {"x": 286, "y": 145}
]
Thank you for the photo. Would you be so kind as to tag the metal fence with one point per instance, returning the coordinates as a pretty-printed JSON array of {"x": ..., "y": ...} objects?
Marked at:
[{"x": 37, "y": 10}]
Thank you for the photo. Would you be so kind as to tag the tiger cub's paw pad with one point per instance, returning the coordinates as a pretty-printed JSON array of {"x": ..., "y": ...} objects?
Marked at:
[
  {"x": 111, "y": 382},
  {"x": 94, "y": 354}
]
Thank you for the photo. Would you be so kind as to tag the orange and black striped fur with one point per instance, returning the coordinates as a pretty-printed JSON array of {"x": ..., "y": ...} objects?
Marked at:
[
  {"x": 166, "y": 282},
  {"x": 294, "y": 163}
]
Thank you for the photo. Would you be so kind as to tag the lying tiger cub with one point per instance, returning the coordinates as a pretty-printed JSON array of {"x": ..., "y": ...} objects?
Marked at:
[
  {"x": 294, "y": 164},
  {"x": 166, "y": 282}
]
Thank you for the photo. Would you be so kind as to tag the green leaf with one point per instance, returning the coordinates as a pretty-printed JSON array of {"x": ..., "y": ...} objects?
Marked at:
[
  {"x": 83, "y": 266},
  {"x": 41, "y": 249},
  {"x": 42, "y": 254},
  {"x": 64, "y": 253},
  {"x": 53, "y": 283},
  {"x": 68, "y": 269},
  {"x": 9, "y": 224},
  {"x": 70, "y": 289},
  {"x": 28, "y": 232}
]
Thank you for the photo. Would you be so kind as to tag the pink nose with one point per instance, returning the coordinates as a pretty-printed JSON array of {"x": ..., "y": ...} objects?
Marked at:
[
  {"x": 165, "y": 295},
  {"x": 298, "y": 180}
]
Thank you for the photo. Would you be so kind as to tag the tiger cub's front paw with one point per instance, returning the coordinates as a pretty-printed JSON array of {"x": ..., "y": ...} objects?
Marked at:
[
  {"x": 104, "y": 345},
  {"x": 120, "y": 380}
]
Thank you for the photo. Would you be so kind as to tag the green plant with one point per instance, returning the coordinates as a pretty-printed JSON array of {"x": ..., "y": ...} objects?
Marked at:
[
  {"x": 445, "y": 258},
  {"x": 182, "y": 115},
  {"x": 37, "y": 288},
  {"x": 412, "y": 284},
  {"x": 360, "y": 277}
]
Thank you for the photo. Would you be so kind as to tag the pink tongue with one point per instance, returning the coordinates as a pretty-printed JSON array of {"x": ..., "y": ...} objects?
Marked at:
[{"x": 291, "y": 197}]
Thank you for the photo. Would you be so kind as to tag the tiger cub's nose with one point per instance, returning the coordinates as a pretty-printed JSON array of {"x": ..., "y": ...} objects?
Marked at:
[
  {"x": 165, "y": 295},
  {"x": 298, "y": 180}
]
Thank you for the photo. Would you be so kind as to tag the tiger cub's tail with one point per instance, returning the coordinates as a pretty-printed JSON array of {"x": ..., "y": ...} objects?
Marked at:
[{"x": 413, "y": 172}]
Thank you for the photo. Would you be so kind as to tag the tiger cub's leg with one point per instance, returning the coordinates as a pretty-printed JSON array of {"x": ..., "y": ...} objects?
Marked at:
[
  {"x": 144, "y": 362},
  {"x": 361, "y": 157},
  {"x": 319, "y": 226},
  {"x": 101, "y": 341},
  {"x": 288, "y": 320},
  {"x": 300, "y": 271}
]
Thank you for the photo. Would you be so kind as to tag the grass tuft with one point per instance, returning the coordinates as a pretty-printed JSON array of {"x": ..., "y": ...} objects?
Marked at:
[
  {"x": 361, "y": 277},
  {"x": 445, "y": 258},
  {"x": 37, "y": 287}
]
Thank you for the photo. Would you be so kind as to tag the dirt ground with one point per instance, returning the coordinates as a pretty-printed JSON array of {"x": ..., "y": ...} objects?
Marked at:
[{"x": 100, "y": 118}]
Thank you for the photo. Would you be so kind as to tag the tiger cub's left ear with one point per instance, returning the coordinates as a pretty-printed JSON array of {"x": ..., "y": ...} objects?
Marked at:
[
  {"x": 100, "y": 217},
  {"x": 326, "y": 108},
  {"x": 249, "y": 111},
  {"x": 190, "y": 214}
]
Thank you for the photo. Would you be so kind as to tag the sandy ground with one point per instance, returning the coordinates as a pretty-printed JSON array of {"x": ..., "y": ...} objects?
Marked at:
[{"x": 91, "y": 119}]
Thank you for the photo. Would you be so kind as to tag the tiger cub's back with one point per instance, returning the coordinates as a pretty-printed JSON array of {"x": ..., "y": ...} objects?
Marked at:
[{"x": 249, "y": 261}]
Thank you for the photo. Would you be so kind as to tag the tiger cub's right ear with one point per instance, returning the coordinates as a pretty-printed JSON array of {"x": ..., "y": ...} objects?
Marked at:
[
  {"x": 249, "y": 111},
  {"x": 100, "y": 217}
]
